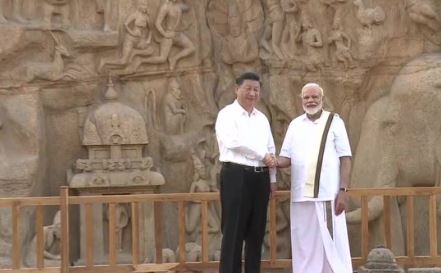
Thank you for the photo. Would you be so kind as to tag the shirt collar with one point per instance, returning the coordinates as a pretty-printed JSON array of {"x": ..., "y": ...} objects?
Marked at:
[
  {"x": 242, "y": 111},
  {"x": 305, "y": 118}
]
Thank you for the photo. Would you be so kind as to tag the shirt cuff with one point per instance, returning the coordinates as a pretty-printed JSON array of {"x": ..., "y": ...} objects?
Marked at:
[{"x": 272, "y": 173}]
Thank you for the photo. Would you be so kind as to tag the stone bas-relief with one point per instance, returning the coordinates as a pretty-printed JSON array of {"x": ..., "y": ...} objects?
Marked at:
[
  {"x": 193, "y": 213},
  {"x": 395, "y": 157},
  {"x": 51, "y": 245},
  {"x": 173, "y": 63},
  {"x": 114, "y": 135},
  {"x": 137, "y": 37}
]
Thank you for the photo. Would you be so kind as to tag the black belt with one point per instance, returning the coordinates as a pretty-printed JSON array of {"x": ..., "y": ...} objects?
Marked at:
[{"x": 256, "y": 169}]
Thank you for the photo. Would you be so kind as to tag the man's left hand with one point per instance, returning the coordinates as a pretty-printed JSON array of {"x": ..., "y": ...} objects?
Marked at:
[
  {"x": 270, "y": 160},
  {"x": 341, "y": 202}
]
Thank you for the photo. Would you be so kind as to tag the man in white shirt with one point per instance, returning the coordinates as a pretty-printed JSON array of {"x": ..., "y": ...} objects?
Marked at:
[
  {"x": 246, "y": 147},
  {"x": 319, "y": 240}
]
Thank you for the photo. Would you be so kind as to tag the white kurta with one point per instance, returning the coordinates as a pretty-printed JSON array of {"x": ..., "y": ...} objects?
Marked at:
[
  {"x": 299, "y": 145},
  {"x": 314, "y": 250}
]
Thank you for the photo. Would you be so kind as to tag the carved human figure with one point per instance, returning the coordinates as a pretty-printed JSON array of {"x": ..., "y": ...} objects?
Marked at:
[
  {"x": 193, "y": 215},
  {"x": 342, "y": 44},
  {"x": 312, "y": 41},
  {"x": 168, "y": 23},
  {"x": 52, "y": 247},
  {"x": 291, "y": 29},
  {"x": 104, "y": 7},
  {"x": 422, "y": 13},
  {"x": 274, "y": 28},
  {"x": 173, "y": 109},
  {"x": 56, "y": 7},
  {"x": 122, "y": 220},
  {"x": 281, "y": 28},
  {"x": 16, "y": 6},
  {"x": 137, "y": 37}
]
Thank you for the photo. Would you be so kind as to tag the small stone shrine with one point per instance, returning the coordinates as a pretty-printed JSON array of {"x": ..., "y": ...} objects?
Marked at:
[
  {"x": 115, "y": 135},
  {"x": 380, "y": 260}
]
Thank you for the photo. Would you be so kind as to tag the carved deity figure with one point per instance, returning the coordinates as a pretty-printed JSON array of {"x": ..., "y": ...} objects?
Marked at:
[
  {"x": 201, "y": 184},
  {"x": 168, "y": 24},
  {"x": 137, "y": 38},
  {"x": 312, "y": 42},
  {"x": 342, "y": 44},
  {"x": 52, "y": 247},
  {"x": 174, "y": 112},
  {"x": 56, "y": 7}
]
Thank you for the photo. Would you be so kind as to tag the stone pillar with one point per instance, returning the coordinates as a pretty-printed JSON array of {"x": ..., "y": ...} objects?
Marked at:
[{"x": 380, "y": 260}]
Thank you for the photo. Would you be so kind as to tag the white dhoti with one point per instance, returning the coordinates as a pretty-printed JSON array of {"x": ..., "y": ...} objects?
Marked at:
[{"x": 313, "y": 248}]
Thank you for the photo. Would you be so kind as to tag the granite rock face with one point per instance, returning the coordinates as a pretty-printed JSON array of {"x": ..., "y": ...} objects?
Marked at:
[{"x": 173, "y": 65}]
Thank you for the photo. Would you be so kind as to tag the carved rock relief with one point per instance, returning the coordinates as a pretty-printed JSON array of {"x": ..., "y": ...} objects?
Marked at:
[
  {"x": 175, "y": 61},
  {"x": 398, "y": 119}
]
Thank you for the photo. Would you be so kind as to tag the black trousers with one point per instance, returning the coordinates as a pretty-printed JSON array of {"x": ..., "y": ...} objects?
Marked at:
[{"x": 244, "y": 197}]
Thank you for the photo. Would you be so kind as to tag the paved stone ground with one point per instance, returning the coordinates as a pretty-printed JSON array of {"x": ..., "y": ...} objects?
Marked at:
[{"x": 424, "y": 270}]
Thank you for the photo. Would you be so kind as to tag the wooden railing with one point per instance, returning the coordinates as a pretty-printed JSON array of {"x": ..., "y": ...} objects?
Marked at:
[
  {"x": 409, "y": 194},
  {"x": 66, "y": 201}
]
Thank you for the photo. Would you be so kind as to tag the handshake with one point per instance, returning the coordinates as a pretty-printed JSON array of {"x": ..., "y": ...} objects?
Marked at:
[{"x": 271, "y": 160}]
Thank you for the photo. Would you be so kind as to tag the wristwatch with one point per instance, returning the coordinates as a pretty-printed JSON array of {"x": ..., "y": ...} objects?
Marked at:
[{"x": 344, "y": 189}]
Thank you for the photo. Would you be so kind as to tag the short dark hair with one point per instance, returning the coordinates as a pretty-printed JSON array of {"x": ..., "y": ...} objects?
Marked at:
[{"x": 248, "y": 76}]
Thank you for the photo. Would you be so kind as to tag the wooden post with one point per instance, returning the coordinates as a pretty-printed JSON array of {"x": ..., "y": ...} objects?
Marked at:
[
  {"x": 89, "y": 234},
  {"x": 410, "y": 227},
  {"x": 39, "y": 215},
  {"x": 64, "y": 213},
  {"x": 112, "y": 234},
  {"x": 204, "y": 230},
  {"x": 159, "y": 229},
  {"x": 182, "y": 233},
  {"x": 16, "y": 230},
  {"x": 364, "y": 227},
  {"x": 273, "y": 229},
  {"x": 135, "y": 233},
  {"x": 387, "y": 223},
  {"x": 432, "y": 226}
]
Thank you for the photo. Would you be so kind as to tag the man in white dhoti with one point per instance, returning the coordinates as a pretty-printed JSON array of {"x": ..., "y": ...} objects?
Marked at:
[{"x": 316, "y": 146}]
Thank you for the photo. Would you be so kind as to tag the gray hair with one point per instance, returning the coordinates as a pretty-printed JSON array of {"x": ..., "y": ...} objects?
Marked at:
[{"x": 312, "y": 84}]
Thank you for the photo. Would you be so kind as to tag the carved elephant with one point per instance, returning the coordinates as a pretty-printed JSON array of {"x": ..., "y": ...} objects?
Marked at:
[{"x": 400, "y": 146}]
